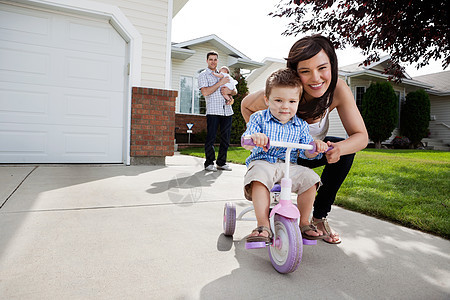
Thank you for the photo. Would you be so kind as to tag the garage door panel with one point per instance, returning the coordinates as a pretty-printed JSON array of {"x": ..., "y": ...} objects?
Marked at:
[
  {"x": 21, "y": 140},
  {"x": 34, "y": 64},
  {"x": 93, "y": 110},
  {"x": 89, "y": 144},
  {"x": 91, "y": 70},
  {"x": 34, "y": 104},
  {"x": 88, "y": 32},
  {"x": 16, "y": 104},
  {"x": 62, "y": 88},
  {"x": 49, "y": 144},
  {"x": 27, "y": 25},
  {"x": 62, "y": 68},
  {"x": 41, "y": 28}
]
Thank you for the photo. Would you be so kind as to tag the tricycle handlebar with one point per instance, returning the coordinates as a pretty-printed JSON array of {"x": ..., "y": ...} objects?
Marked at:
[{"x": 247, "y": 140}]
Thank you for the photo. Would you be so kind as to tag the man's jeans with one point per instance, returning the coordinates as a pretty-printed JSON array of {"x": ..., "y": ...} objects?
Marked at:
[{"x": 213, "y": 122}]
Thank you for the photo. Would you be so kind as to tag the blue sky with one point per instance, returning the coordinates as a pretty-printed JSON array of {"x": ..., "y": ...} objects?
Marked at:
[{"x": 245, "y": 25}]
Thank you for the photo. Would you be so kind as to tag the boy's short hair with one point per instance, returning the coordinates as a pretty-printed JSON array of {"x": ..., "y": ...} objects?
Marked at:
[
  {"x": 212, "y": 53},
  {"x": 284, "y": 77}
]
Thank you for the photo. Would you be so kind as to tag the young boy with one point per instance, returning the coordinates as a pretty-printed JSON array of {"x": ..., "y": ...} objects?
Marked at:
[
  {"x": 265, "y": 166},
  {"x": 225, "y": 72}
]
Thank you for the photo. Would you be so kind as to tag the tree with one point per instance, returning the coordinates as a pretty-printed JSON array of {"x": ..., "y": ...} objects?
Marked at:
[
  {"x": 238, "y": 127},
  {"x": 411, "y": 31},
  {"x": 380, "y": 111},
  {"x": 415, "y": 116}
]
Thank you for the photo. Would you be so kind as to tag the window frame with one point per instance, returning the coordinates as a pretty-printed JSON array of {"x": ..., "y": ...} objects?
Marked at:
[
  {"x": 195, "y": 95},
  {"x": 357, "y": 94}
]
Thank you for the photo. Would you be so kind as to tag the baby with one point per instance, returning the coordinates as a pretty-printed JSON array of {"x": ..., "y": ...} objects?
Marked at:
[{"x": 225, "y": 72}]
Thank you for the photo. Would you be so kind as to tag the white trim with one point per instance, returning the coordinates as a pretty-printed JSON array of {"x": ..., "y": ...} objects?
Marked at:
[
  {"x": 384, "y": 76},
  {"x": 168, "y": 75},
  {"x": 376, "y": 63},
  {"x": 123, "y": 26},
  {"x": 218, "y": 42}
]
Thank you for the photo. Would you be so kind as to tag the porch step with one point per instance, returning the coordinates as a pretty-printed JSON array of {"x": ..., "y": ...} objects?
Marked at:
[{"x": 436, "y": 144}]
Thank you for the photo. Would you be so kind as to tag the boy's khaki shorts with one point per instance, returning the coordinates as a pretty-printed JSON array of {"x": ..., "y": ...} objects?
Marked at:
[{"x": 268, "y": 174}]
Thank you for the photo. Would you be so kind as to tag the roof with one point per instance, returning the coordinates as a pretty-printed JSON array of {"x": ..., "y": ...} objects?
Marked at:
[
  {"x": 240, "y": 60},
  {"x": 440, "y": 82},
  {"x": 177, "y": 6},
  {"x": 268, "y": 62},
  {"x": 378, "y": 66},
  {"x": 376, "y": 69}
]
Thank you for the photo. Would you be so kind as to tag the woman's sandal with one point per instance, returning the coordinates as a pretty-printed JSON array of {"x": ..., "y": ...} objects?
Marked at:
[
  {"x": 259, "y": 238},
  {"x": 328, "y": 232},
  {"x": 311, "y": 227}
]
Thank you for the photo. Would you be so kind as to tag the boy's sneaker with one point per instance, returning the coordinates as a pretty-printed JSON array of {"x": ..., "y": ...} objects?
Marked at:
[
  {"x": 225, "y": 167},
  {"x": 211, "y": 168}
]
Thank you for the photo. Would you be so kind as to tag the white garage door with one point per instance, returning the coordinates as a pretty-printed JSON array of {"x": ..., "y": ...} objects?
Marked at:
[{"x": 62, "y": 83}]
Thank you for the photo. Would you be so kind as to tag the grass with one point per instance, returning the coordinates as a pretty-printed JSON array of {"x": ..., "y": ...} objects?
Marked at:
[{"x": 407, "y": 187}]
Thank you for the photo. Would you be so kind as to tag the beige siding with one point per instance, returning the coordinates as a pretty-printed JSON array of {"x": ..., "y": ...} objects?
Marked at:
[
  {"x": 190, "y": 66},
  {"x": 259, "y": 83},
  {"x": 336, "y": 128},
  {"x": 150, "y": 18},
  {"x": 440, "y": 106}
]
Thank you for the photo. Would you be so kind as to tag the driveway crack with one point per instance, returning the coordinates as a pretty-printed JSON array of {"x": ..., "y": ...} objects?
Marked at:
[{"x": 17, "y": 187}]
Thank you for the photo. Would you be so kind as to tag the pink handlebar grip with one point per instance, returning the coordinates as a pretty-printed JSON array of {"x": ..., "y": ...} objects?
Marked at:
[
  {"x": 248, "y": 141},
  {"x": 314, "y": 148}
]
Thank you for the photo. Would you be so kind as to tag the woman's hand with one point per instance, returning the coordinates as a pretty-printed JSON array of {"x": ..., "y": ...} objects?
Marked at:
[
  {"x": 334, "y": 154},
  {"x": 321, "y": 147}
]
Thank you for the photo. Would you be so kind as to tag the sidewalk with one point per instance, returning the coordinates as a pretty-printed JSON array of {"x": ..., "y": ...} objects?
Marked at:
[{"x": 147, "y": 232}]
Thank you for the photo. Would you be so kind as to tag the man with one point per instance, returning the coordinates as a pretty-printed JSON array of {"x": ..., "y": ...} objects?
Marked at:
[{"x": 218, "y": 113}]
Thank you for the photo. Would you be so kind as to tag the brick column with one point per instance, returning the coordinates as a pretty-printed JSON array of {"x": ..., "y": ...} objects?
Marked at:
[{"x": 152, "y": 125}]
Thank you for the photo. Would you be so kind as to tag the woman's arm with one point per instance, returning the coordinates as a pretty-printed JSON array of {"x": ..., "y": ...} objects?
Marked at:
[
  {"x": 353, "y": 123},
  {"x": 252, "y": 103}
]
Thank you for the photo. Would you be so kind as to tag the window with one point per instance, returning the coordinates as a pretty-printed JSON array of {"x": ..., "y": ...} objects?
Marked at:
[
  {"x": 191, "y": 100},
  {"x": 359, "y": 93}
]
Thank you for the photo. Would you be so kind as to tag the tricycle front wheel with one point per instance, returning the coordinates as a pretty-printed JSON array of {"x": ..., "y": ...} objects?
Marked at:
[{"x": 286, "y": 250}]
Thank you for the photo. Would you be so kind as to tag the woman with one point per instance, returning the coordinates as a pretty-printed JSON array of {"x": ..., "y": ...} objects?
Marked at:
[{"x": 314, "y": 59}]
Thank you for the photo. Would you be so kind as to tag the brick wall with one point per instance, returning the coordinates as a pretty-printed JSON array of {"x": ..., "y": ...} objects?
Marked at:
[
  {"x": 182, "y": 119},
  {"x": 152, "y": 125}
]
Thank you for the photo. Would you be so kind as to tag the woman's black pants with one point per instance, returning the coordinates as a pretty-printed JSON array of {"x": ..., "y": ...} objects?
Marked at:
[{"x": 333, "y": 176}]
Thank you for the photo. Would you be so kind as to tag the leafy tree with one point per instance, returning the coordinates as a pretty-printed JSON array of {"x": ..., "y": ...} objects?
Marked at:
[
  {"x": 238, "y": 127},
  {"x": 415, "y": 116},
  {"x": 412, "y": 31},
  {"x": 380, "y": 111}
]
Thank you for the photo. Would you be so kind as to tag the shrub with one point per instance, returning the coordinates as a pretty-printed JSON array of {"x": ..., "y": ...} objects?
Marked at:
[
  {"x": 415, "y": 116},
  {"x": 400, "y": 142},
  {"x": 238, "y": 126},
  {"x": 380, "y": 111}
]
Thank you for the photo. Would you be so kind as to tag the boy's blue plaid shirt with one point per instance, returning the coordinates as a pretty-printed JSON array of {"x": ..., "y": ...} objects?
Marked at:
[{"x": 294, "y": 131}]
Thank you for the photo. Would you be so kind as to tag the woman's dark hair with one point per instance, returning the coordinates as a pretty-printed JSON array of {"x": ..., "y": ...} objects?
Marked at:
[{"x": 304, "y": 49}]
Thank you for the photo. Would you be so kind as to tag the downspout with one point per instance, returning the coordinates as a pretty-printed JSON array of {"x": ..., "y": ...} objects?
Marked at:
[{"x": 168, "y": 75}]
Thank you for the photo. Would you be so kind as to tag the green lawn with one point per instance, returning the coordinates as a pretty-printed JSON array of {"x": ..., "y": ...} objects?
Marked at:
[{"x": 408, "y": 187}]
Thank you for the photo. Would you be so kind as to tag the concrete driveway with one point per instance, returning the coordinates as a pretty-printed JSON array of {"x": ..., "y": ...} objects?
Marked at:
[{"x": 147, "y": 232}]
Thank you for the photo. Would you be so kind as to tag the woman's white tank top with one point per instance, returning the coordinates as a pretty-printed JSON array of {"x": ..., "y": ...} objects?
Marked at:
[{"x": 319, "y": 129}]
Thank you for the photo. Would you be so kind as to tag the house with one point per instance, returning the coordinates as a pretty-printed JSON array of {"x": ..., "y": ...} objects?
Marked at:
[
  {"x": 188, "y": 61},
  {"x": 256, "y": 80},
  {"x": 440, "y": 108},
  {"x": 359, "y": 79},
  {"x": 86, "y": 81}
]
